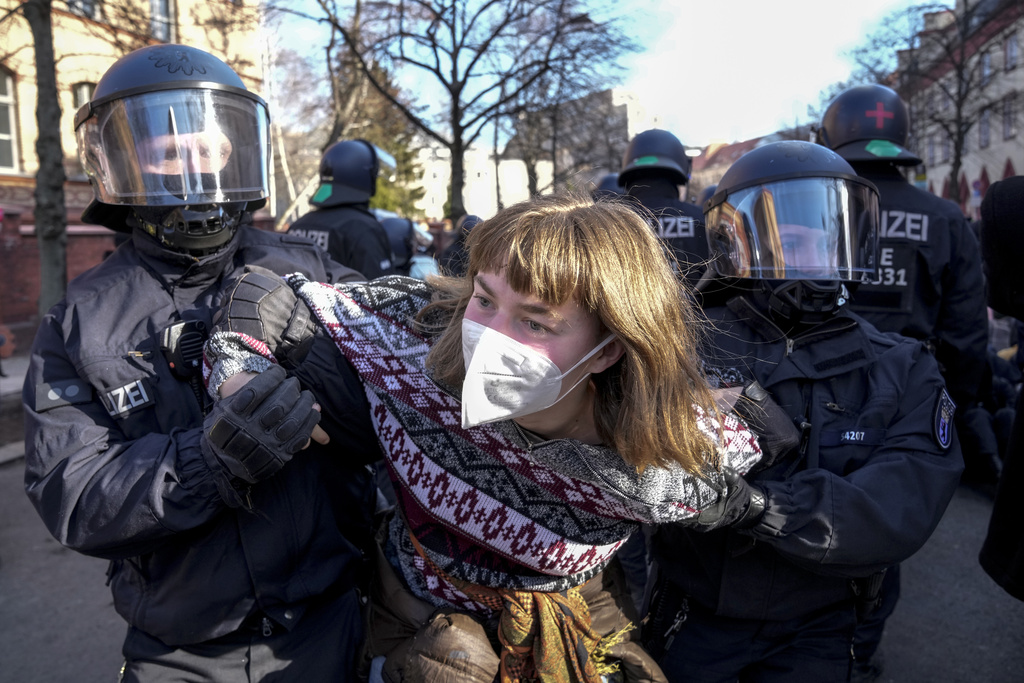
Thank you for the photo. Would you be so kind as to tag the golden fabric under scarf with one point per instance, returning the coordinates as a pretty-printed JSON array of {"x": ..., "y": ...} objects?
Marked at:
[{"x": 545, "y": 637}]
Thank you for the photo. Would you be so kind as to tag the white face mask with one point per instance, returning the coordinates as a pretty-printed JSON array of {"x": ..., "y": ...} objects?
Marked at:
[{"x": 506, "y": 379}]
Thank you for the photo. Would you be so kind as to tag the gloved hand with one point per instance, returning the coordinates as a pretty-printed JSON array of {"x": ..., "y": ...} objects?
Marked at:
[
  {"x": 255, "y": 431},
  {"x": 261, "y": 305},
  {"x": 741, "y": 506},
  {"x": 776, "y": 432}
]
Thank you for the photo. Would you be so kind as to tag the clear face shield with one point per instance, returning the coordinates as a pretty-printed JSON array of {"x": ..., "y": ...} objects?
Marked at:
[
  {"x": 177, "y": 147},
  {"x": 796, "y": 229}
]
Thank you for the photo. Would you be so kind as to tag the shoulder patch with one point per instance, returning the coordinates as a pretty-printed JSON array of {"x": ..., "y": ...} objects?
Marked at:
[
  {"x": 63, "y": 393},
  {"x": 943, "y": 421}
]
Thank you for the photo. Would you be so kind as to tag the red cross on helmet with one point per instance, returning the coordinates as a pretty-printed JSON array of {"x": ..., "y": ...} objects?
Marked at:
[{"x": 868, "y": 123}]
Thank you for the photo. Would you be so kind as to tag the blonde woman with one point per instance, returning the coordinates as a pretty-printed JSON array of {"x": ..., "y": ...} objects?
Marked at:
[{"x": 532, "y": 415}]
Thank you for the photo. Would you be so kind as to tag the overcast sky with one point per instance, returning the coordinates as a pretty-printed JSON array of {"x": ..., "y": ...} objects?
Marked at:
[{"x": 728, "y": 70}]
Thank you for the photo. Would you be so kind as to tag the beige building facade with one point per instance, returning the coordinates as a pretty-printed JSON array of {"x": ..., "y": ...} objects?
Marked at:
[
  {"x": 88, "y": 36},
  {"x": 993, "y": 68}
]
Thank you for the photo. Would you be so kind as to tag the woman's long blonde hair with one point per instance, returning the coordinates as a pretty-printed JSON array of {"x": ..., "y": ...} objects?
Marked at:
[{"x": 603, "y": 255}]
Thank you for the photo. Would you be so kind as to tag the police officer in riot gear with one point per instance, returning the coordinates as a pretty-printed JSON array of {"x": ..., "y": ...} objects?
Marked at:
[
  {"x": 409, "y": 247},
  {"x": 227, "y": 560},
  {"x": 402, "y": 238},
  {"x": 341, "y": 224},
  {"x": 654, "y": 166},
  {"x": 928, "y": 285},
  {"x": 875, "y": 461}
]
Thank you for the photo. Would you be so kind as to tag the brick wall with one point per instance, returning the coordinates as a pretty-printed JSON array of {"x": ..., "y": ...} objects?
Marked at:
[
  {"x": 19, "y": 261},
  {"x": 87, "y": 245}
]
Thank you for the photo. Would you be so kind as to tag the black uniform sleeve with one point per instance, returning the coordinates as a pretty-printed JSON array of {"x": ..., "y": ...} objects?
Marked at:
[
  {"x": 962, "y": 325},
  {"x": 880, "y": 513},
  {"x": 337, "y": 273},
  {"x": 98, "y": 490},
  {"x": 345, "y": 411},
  {"x": 1002, "y": 243}
]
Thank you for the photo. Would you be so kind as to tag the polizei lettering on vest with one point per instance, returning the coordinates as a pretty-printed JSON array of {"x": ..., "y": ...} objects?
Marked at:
[
  {"x": 675, "y": 226},
  {"x": 126, "y": 398},
  {"x": 909, "y": 226},
  {"x": 320, "y": 237}
]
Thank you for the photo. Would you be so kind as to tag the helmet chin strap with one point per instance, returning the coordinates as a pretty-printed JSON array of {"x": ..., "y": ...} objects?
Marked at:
[
  {"x": 195, "y": 230},
  {"x": 808, "y": 302}
]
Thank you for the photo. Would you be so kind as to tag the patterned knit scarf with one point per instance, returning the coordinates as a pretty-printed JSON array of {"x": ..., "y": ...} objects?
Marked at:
[
  {"x": 487, "y": 521},
  {"x": 481, "y": 506}
]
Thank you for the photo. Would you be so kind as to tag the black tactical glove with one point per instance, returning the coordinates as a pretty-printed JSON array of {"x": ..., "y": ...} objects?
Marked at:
[
  {"x": 776, "y": 432},
  {"x": 255, "y": 431},
  {"x": 741, "y": 506},
  {"x": 262, "y": 305}
]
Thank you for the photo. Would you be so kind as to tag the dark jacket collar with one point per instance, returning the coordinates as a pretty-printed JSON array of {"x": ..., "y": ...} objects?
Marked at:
[{"x": 175, "y": 269}]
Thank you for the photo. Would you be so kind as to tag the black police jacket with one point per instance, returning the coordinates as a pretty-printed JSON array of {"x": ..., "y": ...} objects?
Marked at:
[
  {"x": 873, "y": 475},
  {"x": 679, "y": 224},
  {"x": 350, "y": 235},
  {"x": 113, "y": 462},
  {"x": 929, "y": 284}
]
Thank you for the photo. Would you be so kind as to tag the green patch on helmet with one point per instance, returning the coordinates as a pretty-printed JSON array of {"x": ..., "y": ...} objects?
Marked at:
[
  {"x": 883, "y": 148},
  {"x": 322, "y": 194},
  {"x": 645, "y": 161}
]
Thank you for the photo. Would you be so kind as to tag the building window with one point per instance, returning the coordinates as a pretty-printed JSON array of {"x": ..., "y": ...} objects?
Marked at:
[
  {"x": 946, "y": 144},
  {"x": 8, "y": 137},
  {"x": 984, "y": 128},
  {"x": 1011, "y": 50},
  {"x": 986, "y": 68},
  {"x": 83, "y": 8},
  {"x": 929, "y": 103},
  {"x": 947, "y": 100},
  {"x": 160, "y": 19},
  {"x": 81, "y": 93},
  {"x": 1010, "y": 116},
  {"x": 931, "y": 149}
]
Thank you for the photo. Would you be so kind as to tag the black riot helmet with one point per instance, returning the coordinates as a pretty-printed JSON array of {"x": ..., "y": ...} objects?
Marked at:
[
  {"x": 348, "y": 173},
  {"x": 174, "y": 144},
  {"x": 706, "y": 194},
  {"x": 467, "y": 223},
  {"x": 868, "y": 123},
  {"x": 794, "y": 216},
  {"x": 655, "y": 152},
  {"x": 402, "y": 237},
  {"x": 608, "y": 186}
]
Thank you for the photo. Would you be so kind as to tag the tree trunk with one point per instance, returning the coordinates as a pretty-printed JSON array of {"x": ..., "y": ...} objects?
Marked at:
[
  {"x": 458, "y": 206},
  {"x": 532, "y": 177},
  {"x": 555, "y": 118},
  {"x": 497, "y": 169},
  {"x": 50, "y": 212}
]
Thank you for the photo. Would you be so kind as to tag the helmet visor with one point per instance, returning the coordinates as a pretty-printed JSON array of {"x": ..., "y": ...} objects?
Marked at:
[
  {"x": 177, "y": 147},
  {"x": 796, "y": 229}
]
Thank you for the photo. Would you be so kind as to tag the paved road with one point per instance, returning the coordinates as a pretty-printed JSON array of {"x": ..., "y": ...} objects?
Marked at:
[{"x": 57, "y": 620}]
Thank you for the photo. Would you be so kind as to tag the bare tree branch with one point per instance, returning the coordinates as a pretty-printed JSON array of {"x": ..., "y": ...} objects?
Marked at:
[{"x": 481, "y": 53}]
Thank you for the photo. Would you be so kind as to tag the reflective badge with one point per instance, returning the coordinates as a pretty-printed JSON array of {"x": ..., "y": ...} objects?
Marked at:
[
  {"x": 944, "y": 411},
  {"x": 122, "y": 401},
  {"x": 63, "y": 393}
]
